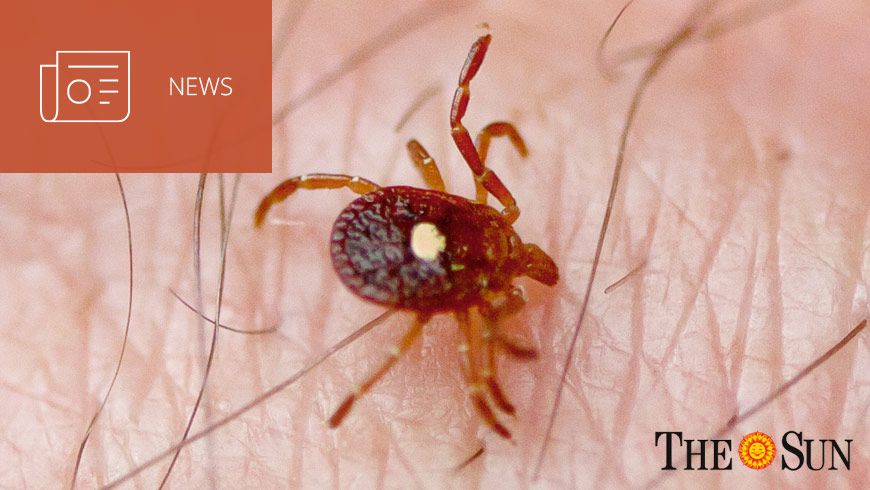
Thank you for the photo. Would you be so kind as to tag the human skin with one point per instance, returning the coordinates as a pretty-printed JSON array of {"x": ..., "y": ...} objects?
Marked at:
[{"x": 744, "y": 194}]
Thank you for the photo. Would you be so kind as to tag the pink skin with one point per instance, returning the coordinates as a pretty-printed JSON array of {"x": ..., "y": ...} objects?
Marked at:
[{"x": 745, "y": 191}]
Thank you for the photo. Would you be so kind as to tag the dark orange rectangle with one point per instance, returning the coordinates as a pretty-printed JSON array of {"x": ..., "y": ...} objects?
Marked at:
[{"x": 159, "y": 86}]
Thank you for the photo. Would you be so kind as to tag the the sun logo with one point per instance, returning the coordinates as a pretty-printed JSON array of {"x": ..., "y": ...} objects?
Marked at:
[{"x": 757, "y": 450}]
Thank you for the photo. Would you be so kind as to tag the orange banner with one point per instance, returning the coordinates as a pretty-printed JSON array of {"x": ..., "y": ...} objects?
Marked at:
[{"x": 157, "y": 86}]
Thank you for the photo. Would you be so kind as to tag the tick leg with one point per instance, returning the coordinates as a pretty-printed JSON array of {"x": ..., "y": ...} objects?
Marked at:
[
  {"x": 521, "y": 352},
  {"x": 490, "y": 375},
  {"x": 483, "y": 176},
  {"x": 395, "y": 352},
  {"x": 311, "y": 181},
  {"x": 499, "y": 128},
  {"x": 483, "y": 139},
  {"x": 500, "y": 305},
  {"x": 470, "y": 352},
  {"x": 427, "y": 165}
]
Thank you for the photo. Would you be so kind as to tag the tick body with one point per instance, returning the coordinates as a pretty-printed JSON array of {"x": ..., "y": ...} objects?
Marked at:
[
  {"x": 422, "y": 249},
  {"x": 427, "y": 251}
]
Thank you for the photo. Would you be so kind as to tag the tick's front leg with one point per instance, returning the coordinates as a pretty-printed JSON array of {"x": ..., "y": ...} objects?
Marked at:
[
  {"x": 311, "y": 181},
  {"x": 483, "y": 176}
]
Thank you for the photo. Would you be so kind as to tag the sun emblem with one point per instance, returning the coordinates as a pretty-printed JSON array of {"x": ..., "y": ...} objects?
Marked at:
[{"x": 757, "y": 450}]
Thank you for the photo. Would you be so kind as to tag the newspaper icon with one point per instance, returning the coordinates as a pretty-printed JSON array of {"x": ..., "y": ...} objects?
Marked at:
[{"x": 85, "y": 86}]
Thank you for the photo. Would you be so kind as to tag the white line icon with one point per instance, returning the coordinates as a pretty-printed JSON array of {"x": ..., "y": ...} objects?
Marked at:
[{"x": 85, "y": 86}]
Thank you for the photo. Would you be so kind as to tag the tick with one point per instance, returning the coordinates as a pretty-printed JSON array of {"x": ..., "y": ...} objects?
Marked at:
[{"x": 428, "y": 252}]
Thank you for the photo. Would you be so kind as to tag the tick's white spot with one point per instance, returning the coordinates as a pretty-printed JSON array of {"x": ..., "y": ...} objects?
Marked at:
[
  {"x": 355, "y": 179},
  {"x": 427, "y": 242},
  {"x": 303, "y": 178}
]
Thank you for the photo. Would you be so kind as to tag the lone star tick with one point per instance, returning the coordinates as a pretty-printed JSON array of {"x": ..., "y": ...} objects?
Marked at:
[{"x": 427, "y": 251}]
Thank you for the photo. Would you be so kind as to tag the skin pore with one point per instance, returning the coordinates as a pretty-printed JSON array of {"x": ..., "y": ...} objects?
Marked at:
[{"x": 744, "y": 192}]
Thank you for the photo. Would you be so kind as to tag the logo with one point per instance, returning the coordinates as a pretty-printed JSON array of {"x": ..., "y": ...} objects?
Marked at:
[
  {"x": 757, "y": 450},
  {"x": 85, "y": 86}
]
